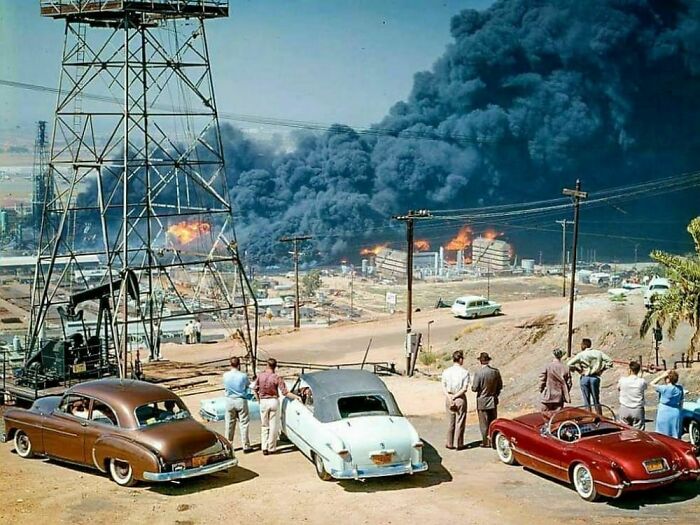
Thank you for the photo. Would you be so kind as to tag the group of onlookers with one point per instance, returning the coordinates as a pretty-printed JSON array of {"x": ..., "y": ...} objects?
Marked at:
[
  {"x": 267, "y": 388},
  {"x": 487, "y": 384},
  {"x": 555, "y": 383},
  {"x": 193, "y": 332}
]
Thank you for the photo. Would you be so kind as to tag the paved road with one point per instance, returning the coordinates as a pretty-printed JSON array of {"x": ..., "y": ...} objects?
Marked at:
[{"x": 348, "y": 342}]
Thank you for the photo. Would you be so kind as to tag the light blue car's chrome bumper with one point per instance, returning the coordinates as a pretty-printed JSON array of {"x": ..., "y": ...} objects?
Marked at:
[
  {"x": 378, "y": 472},
  {"x": 190, "y": 472}
]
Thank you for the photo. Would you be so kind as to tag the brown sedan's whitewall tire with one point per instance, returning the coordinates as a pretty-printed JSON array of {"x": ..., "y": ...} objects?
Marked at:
[
  {"x": 121, "y": 473},
  {"x": 23, "y": 445}
]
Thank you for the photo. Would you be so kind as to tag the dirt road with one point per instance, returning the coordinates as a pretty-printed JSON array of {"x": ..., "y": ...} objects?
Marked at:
[
  {"x": 468, "y": 486},
  {"x": 348, "y": 343}
]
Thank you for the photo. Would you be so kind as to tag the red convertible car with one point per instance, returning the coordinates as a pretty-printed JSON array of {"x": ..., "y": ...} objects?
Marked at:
[{"x": 599, "y": 455}]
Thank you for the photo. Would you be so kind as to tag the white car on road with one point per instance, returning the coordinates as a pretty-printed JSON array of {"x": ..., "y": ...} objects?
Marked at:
[
  {"x": 657, "y": 287},
  {"x": 349, "y": 425},
  {"x": 473, "y": 306}
]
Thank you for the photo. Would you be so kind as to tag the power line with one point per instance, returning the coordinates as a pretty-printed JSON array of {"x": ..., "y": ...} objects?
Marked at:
[{"x": 280, "y": 122}]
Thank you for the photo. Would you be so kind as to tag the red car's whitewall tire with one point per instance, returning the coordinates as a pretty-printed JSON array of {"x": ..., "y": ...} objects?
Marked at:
[
  {"x": 504, "y": 449},
  {"x": 23, "y": 445},
  {"x": 584, "y": 484},
  {"x": 121, "y": 473}
]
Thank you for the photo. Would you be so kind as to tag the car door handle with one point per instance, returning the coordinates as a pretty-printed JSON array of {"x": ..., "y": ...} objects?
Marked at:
[{"x": 83, "y": 423}]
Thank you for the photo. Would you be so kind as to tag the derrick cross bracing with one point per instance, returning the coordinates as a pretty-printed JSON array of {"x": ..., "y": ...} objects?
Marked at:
[{"x": 138, "y": 170}]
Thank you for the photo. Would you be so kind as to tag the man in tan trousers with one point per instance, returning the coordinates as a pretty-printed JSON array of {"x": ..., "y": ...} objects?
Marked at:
[{"x": 455, "y": 381}]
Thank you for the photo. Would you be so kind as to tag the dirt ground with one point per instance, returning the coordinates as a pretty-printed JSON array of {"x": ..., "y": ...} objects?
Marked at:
[{"x": 469, "y": 486}]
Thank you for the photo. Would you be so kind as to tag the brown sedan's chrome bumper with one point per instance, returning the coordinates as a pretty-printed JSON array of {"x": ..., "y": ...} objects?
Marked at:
[{"x": 190, "y": 472}]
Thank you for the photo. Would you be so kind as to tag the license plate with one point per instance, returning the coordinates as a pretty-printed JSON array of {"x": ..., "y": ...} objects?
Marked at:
[
  {"x": 199, "y": 461},
  {"x": 655, "y": 465},
  {"x": 382, "y": 459}
]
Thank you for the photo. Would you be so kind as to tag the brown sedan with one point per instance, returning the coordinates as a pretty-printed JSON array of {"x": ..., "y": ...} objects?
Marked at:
[{"x": 131, "y": 429}]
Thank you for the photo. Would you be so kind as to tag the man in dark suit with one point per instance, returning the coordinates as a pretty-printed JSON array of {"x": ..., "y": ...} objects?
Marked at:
[{"x": 487, "y": 384}]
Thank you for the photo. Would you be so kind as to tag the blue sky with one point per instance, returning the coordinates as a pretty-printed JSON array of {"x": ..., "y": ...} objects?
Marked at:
[{"x": 326, "y": 61}]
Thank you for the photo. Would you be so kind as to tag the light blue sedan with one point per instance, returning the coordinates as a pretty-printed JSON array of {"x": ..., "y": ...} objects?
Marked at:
[{"x": 349, "y": 425}]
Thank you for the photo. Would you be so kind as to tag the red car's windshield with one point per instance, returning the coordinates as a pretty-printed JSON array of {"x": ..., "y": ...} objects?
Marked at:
[{"x": 571, "y": 424}]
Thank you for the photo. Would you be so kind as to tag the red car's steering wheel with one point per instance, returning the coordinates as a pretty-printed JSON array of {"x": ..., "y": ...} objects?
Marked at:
[{"x": 575, "y": 434}]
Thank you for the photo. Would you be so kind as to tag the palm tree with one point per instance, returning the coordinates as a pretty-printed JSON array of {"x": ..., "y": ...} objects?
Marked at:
[{"x": 682, "y": 302}]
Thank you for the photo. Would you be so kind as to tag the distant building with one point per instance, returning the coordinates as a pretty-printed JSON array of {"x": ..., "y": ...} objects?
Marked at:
[
  {"x": 490, "y": 255},
  {"x": 391, "y": 263}
]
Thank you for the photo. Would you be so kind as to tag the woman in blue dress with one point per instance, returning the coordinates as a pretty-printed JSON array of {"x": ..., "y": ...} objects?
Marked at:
[{"x": 668, "y": 415}]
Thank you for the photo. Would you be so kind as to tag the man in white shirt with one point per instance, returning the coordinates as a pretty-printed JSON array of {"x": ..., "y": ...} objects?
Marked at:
[
  {"x": 632, "y": 388},
  {"x": 455, "y": 381}
]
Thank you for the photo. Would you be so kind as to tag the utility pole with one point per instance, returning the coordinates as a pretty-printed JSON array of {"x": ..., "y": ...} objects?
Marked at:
[
  {"x": 295, "y": 255},
  {"x": 577, "y": 195},
  {"x": 488, "y": 281},
  {"x": 409, "y": 219},
  {"x": 563, "y": 224}
]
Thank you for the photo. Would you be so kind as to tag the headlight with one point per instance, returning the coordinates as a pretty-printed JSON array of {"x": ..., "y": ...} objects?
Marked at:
[{"x": 179, "y": 466}]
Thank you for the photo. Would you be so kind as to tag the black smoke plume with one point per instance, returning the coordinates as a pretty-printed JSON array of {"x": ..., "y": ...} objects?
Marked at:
[{"x": 529, "y": 96}]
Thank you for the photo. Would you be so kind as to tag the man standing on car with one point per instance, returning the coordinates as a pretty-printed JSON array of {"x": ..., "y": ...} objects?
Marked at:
[
  {"x": 236, "y": 385},
  {"x": 487, "y": 385},
  {"x": 632, "y": 388},
  {"x": 455, "y": 381},
  {"x": 267, "y": 389},
  {"x": 555, "y": 383},
  {"x": 590, "y": 363}
]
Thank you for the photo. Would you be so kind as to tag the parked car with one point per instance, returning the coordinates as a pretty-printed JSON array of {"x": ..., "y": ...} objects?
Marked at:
[
  {"x": 473, "y": 306},
  {"x": 691, "y": 420},
  {"x": 133, "y": 430},
  {"x": 349, "y": 425},
  {"x": 598, "y": 455},
  {"x": 657, "y": 287}
]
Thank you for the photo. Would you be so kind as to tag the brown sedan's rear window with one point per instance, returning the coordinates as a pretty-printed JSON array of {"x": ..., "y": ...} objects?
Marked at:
[{"x": 158, "y": 412}]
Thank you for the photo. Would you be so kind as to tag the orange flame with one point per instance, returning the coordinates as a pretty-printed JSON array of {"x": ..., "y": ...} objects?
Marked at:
[
  {"x": 462, "y": 240},
  {"x": 186, "y": 232},
  {"x": 374, "y": 250},
  {"x": 421, "y": 245}
]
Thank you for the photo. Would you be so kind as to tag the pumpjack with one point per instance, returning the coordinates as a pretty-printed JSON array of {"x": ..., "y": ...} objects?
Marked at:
[{"x": 82, "y": 352}]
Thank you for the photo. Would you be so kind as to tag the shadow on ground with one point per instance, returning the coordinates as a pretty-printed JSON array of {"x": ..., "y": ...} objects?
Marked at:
[
  {"x": 202, "y": 484},
  {"x": 435, "y": 475},
  {"x": 675, "y": 493}
]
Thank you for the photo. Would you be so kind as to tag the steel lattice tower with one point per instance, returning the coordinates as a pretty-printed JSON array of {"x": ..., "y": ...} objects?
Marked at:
[
  {"x": 138, "y": 168},
  {"x": 41, "y": 182}
]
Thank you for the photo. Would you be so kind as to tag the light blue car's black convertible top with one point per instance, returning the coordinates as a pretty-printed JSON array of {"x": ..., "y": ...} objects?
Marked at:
[{"x": 328, "y": 386}]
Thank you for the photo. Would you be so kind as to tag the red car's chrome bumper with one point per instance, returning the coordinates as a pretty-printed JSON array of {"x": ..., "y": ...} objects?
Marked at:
[{"x": 643, "y": 484}]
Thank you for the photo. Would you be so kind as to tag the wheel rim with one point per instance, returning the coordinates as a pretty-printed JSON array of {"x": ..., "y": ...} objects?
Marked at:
[
  {"x": 583, "y": 481},
  {"x": 22, "y": 444},
  {"x": 695, "y": 433},
  {"x": 505, "y": 452},
  {"x": 121, "y": 470}
]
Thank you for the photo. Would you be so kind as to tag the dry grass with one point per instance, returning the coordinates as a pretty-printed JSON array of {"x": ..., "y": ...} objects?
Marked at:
[{"x": 472, "y": 327}]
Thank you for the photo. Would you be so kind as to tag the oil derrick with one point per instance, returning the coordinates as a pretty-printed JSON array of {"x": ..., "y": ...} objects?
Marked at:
[
  {"x": 139, "y": 181},
  {"x": 42, "y": 186}
]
